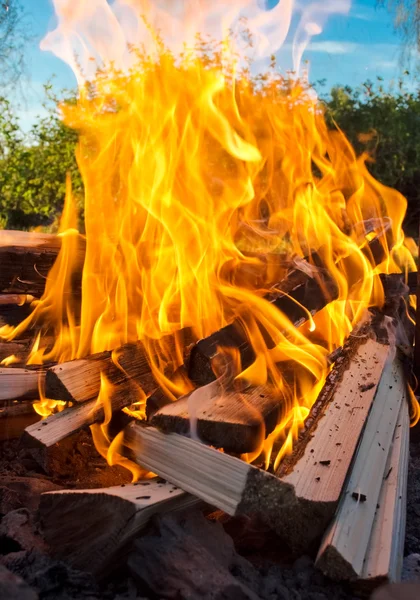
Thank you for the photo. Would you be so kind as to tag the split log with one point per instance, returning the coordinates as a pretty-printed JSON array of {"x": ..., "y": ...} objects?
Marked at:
[
  {"x": 79, "y": 380},
  {"x": 383, "y": 561},
  {"x": 92, "y": 529},
  {"x": 18, "y": 384},
  {"x": 236, "y": 421},
  {"x": 296, "y": 296},
  {"x": 56, "y": 427},
  {"x": 299, "y": 502},
  {"x": 26, "y": 259},
  {"x": 18, "y": 349},
  {"x": 344, "y": 547},
  {"x": 19, "y": 299}
]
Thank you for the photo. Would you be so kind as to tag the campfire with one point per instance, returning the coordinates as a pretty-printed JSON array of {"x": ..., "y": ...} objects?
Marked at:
[{"x": 233, "y": 309}]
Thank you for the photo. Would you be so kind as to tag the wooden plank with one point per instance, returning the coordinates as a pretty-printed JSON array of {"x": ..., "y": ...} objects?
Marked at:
[
  {"x": 18, "y": 383},
  {"x": 92, "y": 529},
  {"x": 236, "y": 421},
  {"x": 383, "y": 561},
  {"x": 26, "y": 259},
  {"x": 343, "y": 549}
]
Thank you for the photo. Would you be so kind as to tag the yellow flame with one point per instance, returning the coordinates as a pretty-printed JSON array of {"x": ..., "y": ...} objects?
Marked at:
[
  {"x": 10, "y": 360},
  {"x": 197, "y": 176}
]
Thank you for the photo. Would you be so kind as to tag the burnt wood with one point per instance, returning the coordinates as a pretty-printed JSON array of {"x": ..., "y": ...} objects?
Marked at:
[
  {"x": 56, "y": 427},
  {"x": 26, "y": 259},
  {"x": 236, "y": 421},
  {"x": 301, "y": 497},
  {"x": 296, "y": 296},
  {"x": 79, "y": 380}
]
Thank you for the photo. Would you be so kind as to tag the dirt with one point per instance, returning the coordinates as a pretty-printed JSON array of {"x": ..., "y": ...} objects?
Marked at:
[{"x": 258, "y": 567}]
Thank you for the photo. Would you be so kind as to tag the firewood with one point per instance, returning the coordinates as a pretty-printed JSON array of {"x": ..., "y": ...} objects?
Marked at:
[
  {"x": 19, "y": 299},
  {"x": 19, "y": 349},
  {"x": 79, "y": 380},
  {"x": 26, "y": 258},
  {"x": 13, "y": 314},
  {"x": 343, "y": 549},
  {"x": 234, "y": 421},
  {"x": 18, "y": 383},
  {"x": 301, "y": 498},
  {"x": 62, "y": 424},
  {"x": 297, "y": 290},
  {"x": 92, "y": 529},
  {"x": 383, "y": 561},
  {"x": 14, "y": 417}
]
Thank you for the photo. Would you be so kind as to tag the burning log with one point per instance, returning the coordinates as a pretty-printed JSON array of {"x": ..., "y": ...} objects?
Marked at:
[
  {"x": 42, "y": 436},
  {"x": 296, "y": 296},
  {"x": 26, "y": 258},
  {"x": 383, "y": 560},
  {"x": 18, "y": 384},
  {"x": 344, "y": 547},
  {"x": 91, "y": 529},
  {"x": 301, "y": 498},
  {"x": 18, "y": 349},
  {"x": 234, "y": 421},
  {"x": 79, "y": 380}
]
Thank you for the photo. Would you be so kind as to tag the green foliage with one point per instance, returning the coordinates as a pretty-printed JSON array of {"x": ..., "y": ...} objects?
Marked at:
[
  {"x": 33, "y": 169},
  {"x": 393, "y": 120}
]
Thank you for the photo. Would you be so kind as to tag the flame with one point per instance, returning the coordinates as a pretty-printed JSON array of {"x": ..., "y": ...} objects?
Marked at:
[{"x": 197, "y": 173}]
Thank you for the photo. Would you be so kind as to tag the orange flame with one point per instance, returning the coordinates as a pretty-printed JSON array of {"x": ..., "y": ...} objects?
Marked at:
[{"x": 196, "y": 175}]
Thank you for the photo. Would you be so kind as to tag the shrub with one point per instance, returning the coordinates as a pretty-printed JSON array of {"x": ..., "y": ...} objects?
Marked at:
[{"x": 393, "y": 120}]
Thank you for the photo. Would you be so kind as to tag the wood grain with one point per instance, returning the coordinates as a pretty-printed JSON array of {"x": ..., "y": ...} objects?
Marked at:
[
  {"x": 236, "y": 421},
  {"x": 91, "y": 529},
  {"x": 343, "y": 549}
]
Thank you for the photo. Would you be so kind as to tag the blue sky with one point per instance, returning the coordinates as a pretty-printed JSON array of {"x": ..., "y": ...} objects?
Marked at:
[{"x": 350, "y": 50}]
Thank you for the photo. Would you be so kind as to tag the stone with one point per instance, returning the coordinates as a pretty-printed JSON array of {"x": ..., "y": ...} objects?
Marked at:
[
  {"x": 411, "y": 568},
  {"x": 173, "y": 563},
  {"x": 398, "y": 591},
  {"x": 18, "y": 533},
  {"x": 13, "y": 587}
]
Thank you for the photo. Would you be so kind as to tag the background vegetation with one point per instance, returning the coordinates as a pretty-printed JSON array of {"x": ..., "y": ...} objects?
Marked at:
[{"x": 33, "y": 166}]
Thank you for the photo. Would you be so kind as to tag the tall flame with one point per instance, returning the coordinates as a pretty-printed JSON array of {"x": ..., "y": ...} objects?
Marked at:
[{"x": 196, "y": 171}]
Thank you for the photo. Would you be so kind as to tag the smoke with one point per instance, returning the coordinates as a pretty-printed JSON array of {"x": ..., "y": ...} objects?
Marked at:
[{"x": 97, "y": 34}]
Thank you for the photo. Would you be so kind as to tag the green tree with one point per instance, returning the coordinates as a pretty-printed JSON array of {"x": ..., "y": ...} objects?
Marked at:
[
  {"x": 392, "y": 120},
  {"x": 13, "y": 39},
  {"x": 33, "y": 168}
]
